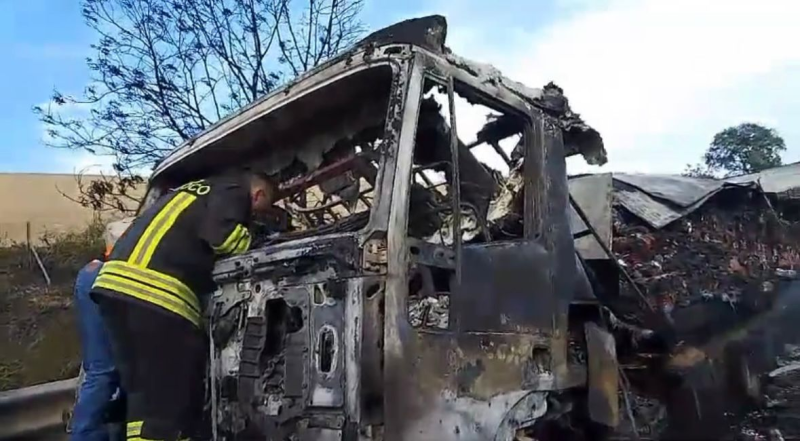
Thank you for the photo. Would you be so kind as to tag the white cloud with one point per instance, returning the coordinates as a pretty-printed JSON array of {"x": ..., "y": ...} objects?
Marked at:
[{"x": 648, "y": 72}]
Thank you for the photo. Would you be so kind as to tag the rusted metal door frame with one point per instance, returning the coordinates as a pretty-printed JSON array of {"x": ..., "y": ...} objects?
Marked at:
[
  {"x": 396, "y": 295},
  {"x": 417, "y": 362}
]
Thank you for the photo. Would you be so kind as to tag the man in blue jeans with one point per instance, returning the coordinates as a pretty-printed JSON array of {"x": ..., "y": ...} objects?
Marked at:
[{"x": 101, "y": 379}]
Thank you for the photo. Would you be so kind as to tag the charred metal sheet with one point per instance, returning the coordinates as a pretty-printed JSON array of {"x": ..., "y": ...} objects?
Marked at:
[
  {"x": 428, "y": 254},
  {"x": 326, "y": 383},
  {"x": 660, "y": 200},
  {"x": 524, "y": 413},
  {"x": 297, "y": 359},
  {"x": 427, "y": 32},
  {"x": 370, "y": 355},
  {"x": 505, "y": 287},
  {"x": 681, "y": 191},
  {"x": 557, "y": 239},
  {"x": 556, "y": 235},
  {"x": 534, "y": 179},
  {"x": 352, "y": 348},
  {"x": 584, "y": 292},
  {"x": 227, "y": 297},
  {"x": 603, "y": 376},
  {"x": 451, "y": 417},
  {"x": 340, "y": 248},
  {"x": 593, "y": 193},
  {"x": 782, "y": 181},
  {"x": 317, "y": 434},
  {"x": 469, "y": 386}
]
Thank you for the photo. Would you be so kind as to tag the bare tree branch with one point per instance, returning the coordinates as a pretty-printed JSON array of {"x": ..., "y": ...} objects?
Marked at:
[{"x": 164, "y": 70}]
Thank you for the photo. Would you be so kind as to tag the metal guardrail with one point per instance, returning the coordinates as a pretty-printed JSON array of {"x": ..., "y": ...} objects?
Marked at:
[{"x": 35, "y": 410}]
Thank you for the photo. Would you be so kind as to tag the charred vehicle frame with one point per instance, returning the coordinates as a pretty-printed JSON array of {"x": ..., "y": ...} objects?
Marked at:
[{"x": 326, "y": 331}]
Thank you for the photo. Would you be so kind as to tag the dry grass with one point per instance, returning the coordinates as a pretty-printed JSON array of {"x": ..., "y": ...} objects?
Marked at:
[{"x": 38, "y": 335}]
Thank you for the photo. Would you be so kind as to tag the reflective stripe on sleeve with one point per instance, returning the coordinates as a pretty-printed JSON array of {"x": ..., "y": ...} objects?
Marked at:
[
  {"x": 243, "y": 245},
  {"x": 233, "y": 240}
]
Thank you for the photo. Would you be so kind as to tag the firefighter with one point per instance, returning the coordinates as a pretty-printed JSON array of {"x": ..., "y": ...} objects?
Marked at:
[{"x": 148, "y": 295}]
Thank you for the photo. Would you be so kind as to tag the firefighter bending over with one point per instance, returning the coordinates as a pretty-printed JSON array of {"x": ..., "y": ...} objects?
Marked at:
[{"x": 148, "y": 295}]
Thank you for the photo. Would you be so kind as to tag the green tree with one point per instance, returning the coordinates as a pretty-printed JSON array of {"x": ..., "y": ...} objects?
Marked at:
[
  {"x": 746, "y": 148},
  {"x": 165, "y": 70}
]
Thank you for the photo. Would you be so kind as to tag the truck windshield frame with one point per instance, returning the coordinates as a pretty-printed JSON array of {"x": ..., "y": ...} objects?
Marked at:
[{"x": 326, "y": 146}]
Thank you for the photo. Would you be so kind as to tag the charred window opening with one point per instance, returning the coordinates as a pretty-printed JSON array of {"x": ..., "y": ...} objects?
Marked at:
[
  {"x": 431, "y": 195},
  {"x": 339, "y": 194},
  {"x": 325, "y": 149},
  {"x": 282, "y": 320},
  {"x": 319, "y": 296},
  {"x": 490, "y": 150},
  {"x": 495, "y": 139},
  {"x": 373, "y": 289},
  {"x": 429, "y": 297},
  {"x": 326, "y": 350},
  {"x": 493, "y": 136},
  {"x": 541, "y": 359}
]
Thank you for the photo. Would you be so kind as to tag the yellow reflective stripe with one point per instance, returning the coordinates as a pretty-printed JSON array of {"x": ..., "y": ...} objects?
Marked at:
[
  {"x": 134, "y": 428},
  {"x": 148, "y": 294},
  {"x": 173, "y": 216},
  {"x": 138, "y": 251},
  {"x": 230, "y": 243},
  {"x": 155, "y": 278},
  {"x": 244, "y": 244},
  {"x": 138, "y": 438},
  {"x": 158, "y": 227}
]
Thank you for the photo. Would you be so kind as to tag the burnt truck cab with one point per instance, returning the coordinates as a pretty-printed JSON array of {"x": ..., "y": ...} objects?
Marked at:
[{"x": 363, "y": 314}]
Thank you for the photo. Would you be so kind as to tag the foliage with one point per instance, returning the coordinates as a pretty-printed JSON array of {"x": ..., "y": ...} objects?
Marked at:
[
  {"x": 698, "y": 171},
  {"x": 64, "y": 254},
  {"x": 165, "y": 70},
  {"x": 746, "y": 148},
  {"x": 108, "y": 193}
]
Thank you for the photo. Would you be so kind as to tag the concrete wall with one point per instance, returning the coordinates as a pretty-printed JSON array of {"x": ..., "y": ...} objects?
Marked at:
[{"x": 37, "y": 199}]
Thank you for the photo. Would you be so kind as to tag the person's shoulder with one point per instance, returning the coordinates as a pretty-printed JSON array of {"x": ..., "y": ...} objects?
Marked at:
[{"x": 92, "y": 267}]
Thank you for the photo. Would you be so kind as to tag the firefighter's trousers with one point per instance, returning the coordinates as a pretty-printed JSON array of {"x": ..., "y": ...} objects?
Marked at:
[{"x": 161, "y": 359}]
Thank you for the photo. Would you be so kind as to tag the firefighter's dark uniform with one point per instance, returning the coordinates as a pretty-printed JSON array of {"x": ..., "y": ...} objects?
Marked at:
[{"x": 148, "y": 295}]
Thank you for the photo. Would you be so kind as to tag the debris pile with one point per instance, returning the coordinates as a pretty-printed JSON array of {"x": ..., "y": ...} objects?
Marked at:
[
  {"x": 723, "y": 278},
  {"x": 731, "y": 250}
]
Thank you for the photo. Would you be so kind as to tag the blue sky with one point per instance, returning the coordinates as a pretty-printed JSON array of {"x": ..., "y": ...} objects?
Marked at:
[{"x": 657, "y": 78}]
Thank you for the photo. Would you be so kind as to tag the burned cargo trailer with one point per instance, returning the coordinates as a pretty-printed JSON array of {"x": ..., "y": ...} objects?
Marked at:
[
  {"x": 718, "y": 258},
  {"x": 412, "y": 289}
]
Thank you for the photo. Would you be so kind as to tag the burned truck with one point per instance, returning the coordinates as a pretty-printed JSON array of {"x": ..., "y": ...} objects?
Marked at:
[{"x": 421, "y": 280}]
